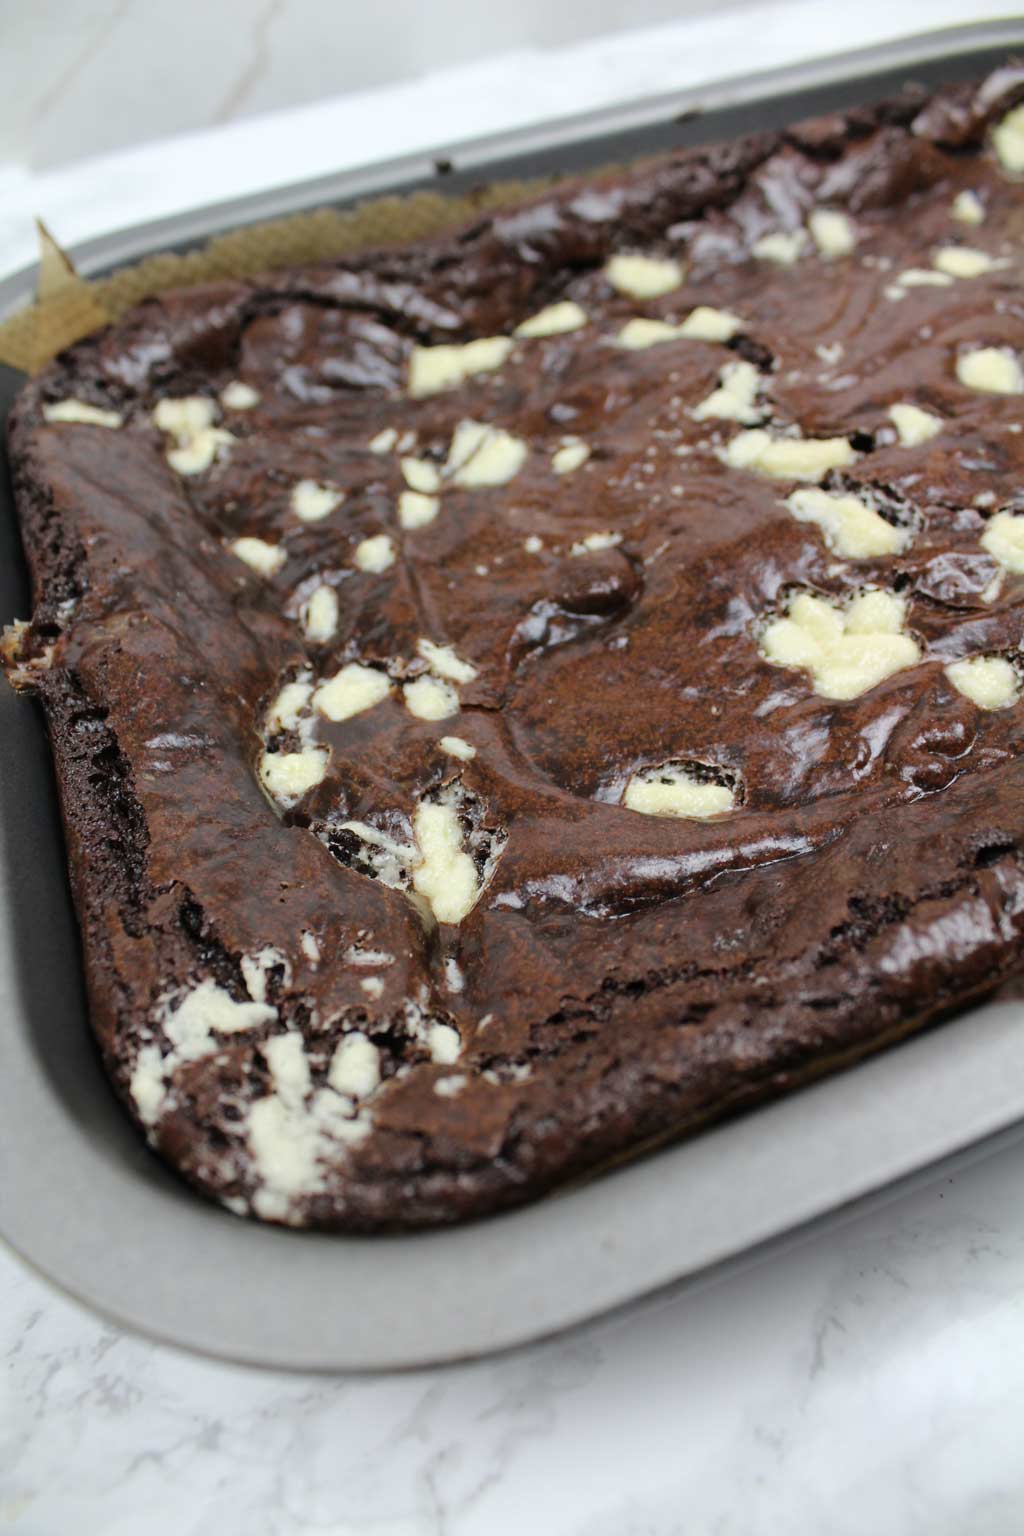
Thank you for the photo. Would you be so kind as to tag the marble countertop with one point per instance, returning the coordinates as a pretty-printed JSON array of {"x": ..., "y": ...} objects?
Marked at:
[{"x": 867, "y": 1378}]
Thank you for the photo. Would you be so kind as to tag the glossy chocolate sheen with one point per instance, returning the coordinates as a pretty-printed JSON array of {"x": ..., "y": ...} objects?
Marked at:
[{"x": 624, "y": 976}]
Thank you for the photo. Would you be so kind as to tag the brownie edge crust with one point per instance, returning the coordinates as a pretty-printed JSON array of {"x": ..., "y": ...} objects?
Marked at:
[{"x": 521, "y": 696}]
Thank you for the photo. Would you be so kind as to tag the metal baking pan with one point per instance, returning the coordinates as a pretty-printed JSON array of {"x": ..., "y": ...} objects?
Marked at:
[{"x": 85, "y": 1202}]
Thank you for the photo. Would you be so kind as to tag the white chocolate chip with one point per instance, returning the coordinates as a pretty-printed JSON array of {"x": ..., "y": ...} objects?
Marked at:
[
  {"x": 291, "y": 703},
  {"x": 638, "y": 334},
  {"x": 446, "y": 875},
  {"x": 1004, "y": 540},
  {"x": 454, "y": 746},
  {"x": 921, "y": 277},
  {"x": 670, "y": 790},
  {"x": 533, "y": 544},
  {"x": 782, "y": 248},
  {"x": 189, "y": 420},
  {"x": 483, "y": 455},
  {"x": 851, "y": 527},
  {"x": 787, "y": 458},
  {"x": 644, "y": 277},
  {"x": 239, "y": 396},
  {"x": 443, "y": 1044},
  {"x": 79, "y": 410},
  {"x": 310, "y": 947},
  {"x": 454, "y": 980},
  {"x": 256, "y": 970},
  {"x": 963, "y": 261},
  {"x": 913, "y": 425},
  {"x": 319, "y": 616},
  {"x": 846, "y": 650},
  {"x": 830, "y": 352},
  {"x": 429, "y": 698},
  {"x": 832, "y": 232},
  {"x": 595, "y": 542},
  {"x": 384, "y": 440},
  {"x": 701, "y": 324},
  {"x": 994, "y": 370},
  {"x": 988, "y": 681},
  {"x": 375, "y": 554},
  {"x": 263, "y": 558},
  {"x": 355, "y": 1066},
  {"x": 449, "y": 1087},
  {"x": 372, "y": 986},
  {"x": 1008, "y": 142},
  {"x": 416, "y": 510},
  {"x": 443, "y": 661},
  {"x": 311, "y": 501},
  {"x": 190, "y": 1025},
  {"x": 432, "y": 369},
  {"x": 351, "y": 691},
  {"x": 736, "y": 396},
  {"x": 421, "y": 475},
  {"x": 553, "y": 320},
  {"x": 572, "y": 455},
  {"x": 968, "y": 208},
  {"x": 286, "y": 776}
]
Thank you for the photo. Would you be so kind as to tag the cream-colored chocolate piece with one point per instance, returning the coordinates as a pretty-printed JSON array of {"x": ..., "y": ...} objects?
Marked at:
[
  {"x": 783, "y": 248},
  {"x": 239, "y": 396},
  {"x": 968, "y": 208},
  {"x": 433, "y": 369},
  {"x": 191, "y": 1026},
  {"x": 351, "y": 691},
  {"x": 1004, "y": 540},
  {"x": 1008, "y": 142},
  {"x": 850, "y": 526},
  {"x": 286, "y": 776},
  {"x": 372, "y": 986},
  {"x": 701, "y": 324},
  {"x": 355, "y": 1066},
  {"x": 450, "y": 1087},
  {"x": 913, "y": 425},
  {"x": 553, "y": 320},
  {"x": 964, "y": 261},
  {"x": 289, "y": 706},
  {"x": 482, "y": 455},
  {"x": 572, "y": 455},
  {"x": 375, "y": 554},
  {"x": 256, "y": 969},
  {"x": 312, "y": 501},
  {"x": 421, "y": 475},
  {"x": 263, "y": 558},
  {"x": 319, "y": 615},
  {"x": 443, "y": 1043},
  {"x": 189, "y": 420},
  {"x": 416, "y": 510},
  {"x": 644, "y": 277},
  {"x": 669, "y": 790},
  {"x": 454, "y": 746},
  {"x": 847, "y": 650},
  {"x": 81, "y": 411},
  {"x": 921, "y": 277},
  {"x": 832, "y": 232},
  {"x": 533, "y": 544},
  {"x": 735, "y": 399},
  {"x": 787, "y": 458},
  {"x": 638, "y": 334},
  {"x": 446, "y": 875},
  {"x": 310, "y": 947},
  {"x": 993, "y": 370},
  {"x": 988, "y": 681},
  {"x": 383, "y": 441},
  {"x": 443, "y": 661},
  {"x": 430, "y": 698},
  {"x": 595, "y": 542}
]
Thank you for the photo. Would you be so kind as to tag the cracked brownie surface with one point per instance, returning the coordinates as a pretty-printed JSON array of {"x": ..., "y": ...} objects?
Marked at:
[{"x": 518, "y": 697}]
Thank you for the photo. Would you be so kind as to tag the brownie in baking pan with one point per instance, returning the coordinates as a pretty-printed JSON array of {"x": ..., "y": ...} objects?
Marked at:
[{"x": 522, "y": 695}]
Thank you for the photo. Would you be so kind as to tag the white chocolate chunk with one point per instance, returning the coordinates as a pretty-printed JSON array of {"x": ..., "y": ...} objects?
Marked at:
[
  {"x": 310, "y": 947},
  {"x": 291, "y": 703},
  {"x": 209, "y": 1010},
  {"x": 390, "y": 860},
  {"x": 533, "y": 544},
  {"x": 572, "y": 455},
  {"x": 148, "y": 1086},
  {"x": 644, "y": 277},
  {"x": 968, "y": 208},
  {"x": 921, "y": 277},
  {"x": 846, "y": 650},
  {"x": 319, "y": 616},
  {"x": 375, "y": 554},
  {"x": 443, "y": 1043},
  {"x": 383, "y": 441},
  {"x": 483, "y": 455},
  {"x": 80, "y": 410},
  {"x": 1008, "y": 142},
  {"x": 964, "y": 261},
  {"x": 429, "y": 698},
  {"x": 256, "y": 970},
  {"x": 454, "y": 746},
  {"x": 1004, "y": 540},
  {"x": 850, "y": 526},
  {"x": 671, "y": 791},
  {"x": 450, "y": 1087},
  {"x": 913, "y": 425},
  {"x": 553, "y": 320},
  {"x": 286, "y": 776},
  {"x": 239, "y": 396},
  {"x": 263, "y": 558},
  {"x": 446, "y": 875},
  {"x": 994, "y": 370},
  {"x": 199, "y": 453},
  {"x": 432, "y": 369},
  {"x": 421, "y": 475},
  {"x": 707, "y": 324},
  {"x": 416, "y": 510},
  {"x": 782, "y": 248},
  {"x": 735, "y": 399},
  {"x": 372, "y": 986},
  {"x": 311, "y": 501},
  {"x": 988, "y": 681},
  {"x": 351, "y": 691},
  {"x": 832, "y": 232},
  {"x": 787, "y": 458},
  {"x": 189, "y": 420},
  {"x": 355, "y": 1066},
  {"x": 638, "y": 334},
  {"x": 595, "y": 542},
  {"x": 443, "y": 661}
]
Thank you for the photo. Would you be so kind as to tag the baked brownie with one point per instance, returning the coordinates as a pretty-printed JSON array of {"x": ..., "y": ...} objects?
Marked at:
[{"x": 517, "y": 697}]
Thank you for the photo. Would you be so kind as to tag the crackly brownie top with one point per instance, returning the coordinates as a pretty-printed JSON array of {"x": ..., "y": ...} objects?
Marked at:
[{"x": 527, "y": 649}]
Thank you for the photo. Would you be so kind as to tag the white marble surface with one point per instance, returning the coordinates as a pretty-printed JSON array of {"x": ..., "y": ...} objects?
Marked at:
[{"x": 867, "y": 1380}]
